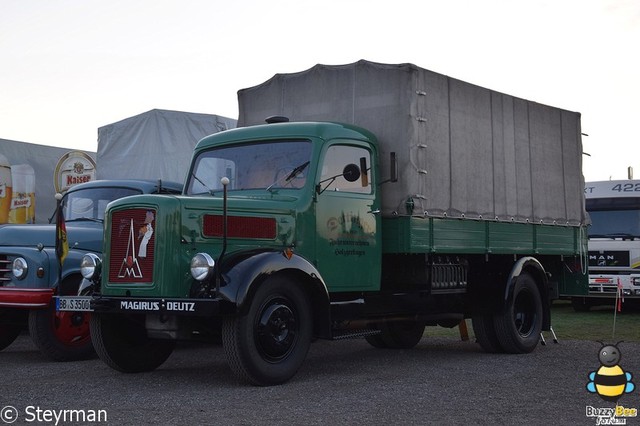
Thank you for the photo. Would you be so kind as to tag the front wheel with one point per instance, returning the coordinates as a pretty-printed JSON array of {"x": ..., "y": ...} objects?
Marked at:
[
  {"x": 268, "y": 344},
  {"x": 61, "y": 336},
  {"x": 123, "y": 345},
  {"x": 518, "y": 327}
]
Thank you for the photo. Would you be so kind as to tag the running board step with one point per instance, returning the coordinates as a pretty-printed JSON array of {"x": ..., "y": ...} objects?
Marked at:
[{"x": 353, "y": 334}]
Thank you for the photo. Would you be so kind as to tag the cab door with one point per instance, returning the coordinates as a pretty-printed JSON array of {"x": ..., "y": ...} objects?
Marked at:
[{"x": 347, "y": 219}]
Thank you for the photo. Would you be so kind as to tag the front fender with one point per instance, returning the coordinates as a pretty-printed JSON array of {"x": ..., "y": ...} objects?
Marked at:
[{"x": 243, "y": 272}]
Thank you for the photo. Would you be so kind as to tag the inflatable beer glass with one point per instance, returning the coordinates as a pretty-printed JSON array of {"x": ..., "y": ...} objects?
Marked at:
[{"x": 23, "y": 201}]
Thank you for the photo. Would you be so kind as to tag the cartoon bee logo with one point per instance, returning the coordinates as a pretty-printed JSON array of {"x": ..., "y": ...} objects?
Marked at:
[{"x": 610, "y": 381}]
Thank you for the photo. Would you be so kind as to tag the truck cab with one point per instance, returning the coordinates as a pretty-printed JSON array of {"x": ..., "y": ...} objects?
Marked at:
[
  {"x": 614, "y": 243},
  {"x": 30, "y": 274}
]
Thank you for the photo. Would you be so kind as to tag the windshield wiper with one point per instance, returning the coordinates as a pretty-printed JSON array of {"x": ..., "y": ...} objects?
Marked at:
[
  {"x": 295, "y": 172},
  {"x": 85, "y": 219},
  {"x": 203, "y": 184}
]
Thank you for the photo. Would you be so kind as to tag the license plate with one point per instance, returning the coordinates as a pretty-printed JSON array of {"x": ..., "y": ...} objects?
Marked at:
[{"x": 73, "y": 303}]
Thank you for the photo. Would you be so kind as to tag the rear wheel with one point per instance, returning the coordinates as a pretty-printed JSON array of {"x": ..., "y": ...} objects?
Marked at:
[
  {"x": 123, "y": 345},
  {"x": 376, "y": 341},
  {"x": 518, "y": 327},
  {"x": 485, "y": 333},
  {"x": 400, "y": 334},
  {"x": 268, "y": 345}
]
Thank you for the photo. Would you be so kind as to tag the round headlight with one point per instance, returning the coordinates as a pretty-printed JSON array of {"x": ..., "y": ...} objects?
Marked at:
[
  {"x": 201, "y": 266},
  {"x": 90, "y": 266},
  {"x": 19, "y": 268}
]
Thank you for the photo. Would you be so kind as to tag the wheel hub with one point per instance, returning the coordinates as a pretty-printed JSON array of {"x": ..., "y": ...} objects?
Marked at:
[
  {"x": 71, "y": 328},
  {"x": 524, "y": 314},
  {"x": 276, "y": 331}
]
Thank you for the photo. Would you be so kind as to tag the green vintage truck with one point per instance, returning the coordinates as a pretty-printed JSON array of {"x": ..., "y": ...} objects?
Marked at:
[{"x": 456, "y": 202}]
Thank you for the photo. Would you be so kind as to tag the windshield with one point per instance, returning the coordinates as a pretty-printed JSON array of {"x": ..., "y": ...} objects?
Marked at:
[
  {"x": 91, "y": 203},
  {"x": 614, "y": 217},
  {"x": 265, "y": 165}
]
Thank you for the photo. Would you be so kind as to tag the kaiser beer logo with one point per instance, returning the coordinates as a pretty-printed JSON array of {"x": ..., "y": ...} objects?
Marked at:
[
  {"x": 78, "y": 167},
  {"x": 73, "y": 168}
]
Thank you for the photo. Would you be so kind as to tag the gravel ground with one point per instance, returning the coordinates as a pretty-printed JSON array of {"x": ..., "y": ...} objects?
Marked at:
[{"x": 442, "y": 381}]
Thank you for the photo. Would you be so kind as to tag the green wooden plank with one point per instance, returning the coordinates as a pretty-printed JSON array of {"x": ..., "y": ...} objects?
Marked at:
[{"x": 404, "y": 234}]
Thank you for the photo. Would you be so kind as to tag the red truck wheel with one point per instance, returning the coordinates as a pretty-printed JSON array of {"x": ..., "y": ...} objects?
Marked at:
[
  {"x": 61, "y": 336},
  {"x": 268, "y": 345},
  {"x": 8, "y": 333}
]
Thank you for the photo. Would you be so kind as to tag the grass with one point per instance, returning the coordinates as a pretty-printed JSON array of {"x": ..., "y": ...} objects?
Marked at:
[{"x": 596, "y": 324}]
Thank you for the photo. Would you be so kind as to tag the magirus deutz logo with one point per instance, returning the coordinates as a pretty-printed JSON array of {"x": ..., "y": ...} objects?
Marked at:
[{"x": 132, "y": 246}]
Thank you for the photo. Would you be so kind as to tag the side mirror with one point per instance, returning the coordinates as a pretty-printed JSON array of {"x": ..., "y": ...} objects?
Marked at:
[
  {"x": 364, "y": 170},
  {"x": 393, "y": 169}
]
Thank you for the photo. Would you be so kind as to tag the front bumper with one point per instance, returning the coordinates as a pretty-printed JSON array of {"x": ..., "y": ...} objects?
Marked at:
[
  {"x": 610, "y": 286},
  {"x": 166, "y": 306},
  {"x": 25, "y": 298}
]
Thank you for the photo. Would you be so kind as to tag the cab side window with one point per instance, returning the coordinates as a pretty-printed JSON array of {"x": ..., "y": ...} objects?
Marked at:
[{"x": 341, "y": 158}]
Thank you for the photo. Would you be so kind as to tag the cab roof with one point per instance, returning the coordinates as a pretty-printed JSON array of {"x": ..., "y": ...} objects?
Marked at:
[{"x": 323, "y": 130}]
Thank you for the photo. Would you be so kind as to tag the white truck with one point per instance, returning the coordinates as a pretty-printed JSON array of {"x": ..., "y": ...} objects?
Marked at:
[{"x": 614, "y": 243}]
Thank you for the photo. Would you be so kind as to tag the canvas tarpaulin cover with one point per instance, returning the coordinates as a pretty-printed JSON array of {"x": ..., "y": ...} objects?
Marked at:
[
  {"x": 463, "y": 150},
  {"x": 157, "y": 144}
]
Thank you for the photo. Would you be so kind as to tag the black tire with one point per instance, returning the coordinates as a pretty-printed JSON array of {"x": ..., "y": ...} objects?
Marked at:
[
  {"x": 268, "y": 345},
  {"x": 399, "y": 334},
  {"x": 61, "y": 336},
  {"x": 123, "y": 345},
  {"x": 8, "y": 334},
  {"x": 376, "y": 341},
  {"x": 518, "y": 327},
  {"x": 485, "y": 333}
]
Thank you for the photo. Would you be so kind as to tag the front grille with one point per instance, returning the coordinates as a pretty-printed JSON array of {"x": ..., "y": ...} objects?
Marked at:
[
  {"x": 132, "y": 246},
  {"x": 5, "y": 269},
  {"x": 615, "y": 258},
  {"x": 603, "y": 288}
]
